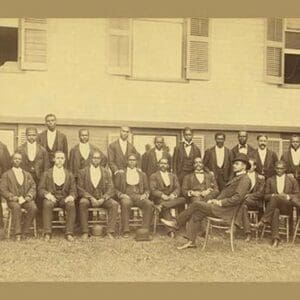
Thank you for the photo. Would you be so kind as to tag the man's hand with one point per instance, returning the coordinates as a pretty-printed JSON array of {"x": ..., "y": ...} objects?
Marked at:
[
  {"x": 100, "y": 202},
  {"x": 69, "y": 199},
  {"x": 15, "y": 199},
  {"x": 164, "y": 197},
  {"x": 195, "y": 193},
  {"x": 50, "y": 197},
  {"x": 124, "y": 196},
  {"x": 27, "y": 198},
  {"x": 214, "y": 202},
  {"x": 206, "y": 192},
  {"x": 119, "y": 171},
  {"x": 94, "y": 202},
  {"x": 144, "y": 196},
  {"x": 172, "y": 196},
  {"x": 284, "y": 196},
  {"x": 21, "y": 200}
]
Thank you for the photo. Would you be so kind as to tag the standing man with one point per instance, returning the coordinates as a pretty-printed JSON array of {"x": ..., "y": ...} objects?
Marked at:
[
  {"x": 5, "y": 164},
  {"x": 18, "y": 188},
  {"x": 217, "y": 160},
  {"x": 254, "y": 199},
  {"x": 35, "y": 157},
  {"x": 52, "y": 139},
  {"x": 144, "y": 156},
  {"x": 57, "y": 188},
  {"x": 119, "y": 150},
  {"x": 81, "y": 154},
  {"x": 95, "y": 188},
  {"x": 242, "y": 146},
  {"x": 292, "y": 157},
  {"x": 153, "y": 156},
  {"x": 133, "y": 190},
  {"x": 264, "y": 157},
  {"x": 165, "y": 191},
  {"x": 281, "y": 191},
  {"x": 184, "y": 155},
  {"x": 224, "y": 206}
]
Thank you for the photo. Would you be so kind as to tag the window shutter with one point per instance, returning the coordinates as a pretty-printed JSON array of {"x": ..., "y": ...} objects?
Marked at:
[
  {"x": 119, "y": 46},
  {"x": 33, "y": 44},
  {"x": 199, "y": 140},
  {"x": 274, "y": 58},
  {"x": 274, "y": 144},
  {"x": 197, "y": 48}
]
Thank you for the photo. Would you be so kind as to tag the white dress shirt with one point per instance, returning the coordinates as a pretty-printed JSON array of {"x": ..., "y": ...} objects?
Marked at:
[
  {"x": 165, "y": 177},
  {"x": 262, "y": 155},
  {"x": 200, "y": 177},
  {"x": 96, "y": 175},
  {"x": 220, "y": 154},
  {"x": 243, "y": 149},
  {"x": 19, "y": 175},
  {"x": 59, "y": 175},
  {"x": 84, "y": 149},
  {"x": 251, "y": 175},
  {"x": 280, "y": 180},
  {"x": 295, "y": 156},
  {"x": 132, "y": 176},
  {"x": 31, "y": 150},
  {"x": 51, "y": 136},
  {"x": 123, "y": 145},
  {"x": 159, "y": 154},
  {"x": 187, "y": 147}
]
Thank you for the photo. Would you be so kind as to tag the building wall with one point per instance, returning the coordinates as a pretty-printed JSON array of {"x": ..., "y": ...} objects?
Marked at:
[{"x": 77, "y": 86}]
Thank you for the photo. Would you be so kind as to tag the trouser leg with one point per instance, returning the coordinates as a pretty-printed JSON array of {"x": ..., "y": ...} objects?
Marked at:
[
  {"x": 47, "y": 216},
  {"x": 126, "y": 205},
  {"x": 84, "y": 204},
  {"x": 70, "y": 216},
  {"x": 16, "y": 214},
  {"x": 31, "y": 211},
  {"x": 275, "y": 224},
  {"x": 112, "y": 209},
  {"x": 147, "y": 208}
]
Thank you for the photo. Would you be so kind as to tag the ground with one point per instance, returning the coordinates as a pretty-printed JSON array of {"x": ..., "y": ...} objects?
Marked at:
[{"x": 102, "y": 259}]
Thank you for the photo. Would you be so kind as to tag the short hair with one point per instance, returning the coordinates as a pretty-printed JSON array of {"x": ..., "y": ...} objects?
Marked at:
[
  {"x": 30, "y": 129},
  {"x": 50, "y": 115},
  {"x": 163, "y": 158},
  {"x": 159, "y": 137},
  {"x": 253, "y": 160},
  {"x": 59, "y": 151},
  {"x": 16, "y": 152},
  {"x": 125, "y": 127},
  {"x": 295, "y": 136},
  {"x": 83, "y": 129},
  {"x": 93, "y": 152},
  {"x": 197, "y": 158},
  {"x": 261, "y": 135},
  {"x": 242, "y": 131},
  {"x": 280, "y": 162},
  {"x": 185, "y": 129},
  {"x": 220, "y": 133},
  {"x": 132, "y": 154}
]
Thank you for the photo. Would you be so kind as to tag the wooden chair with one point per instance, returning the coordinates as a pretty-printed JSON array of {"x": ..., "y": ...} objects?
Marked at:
[
  {"x": 8, "y": 225},
  {"x": 283, "y": 230},
  {"x": 253, "y": 217},
  {"x": 59, "y": 218},
  {"x": 219, "y": 223},
  {"x": 156, "y": 219}
]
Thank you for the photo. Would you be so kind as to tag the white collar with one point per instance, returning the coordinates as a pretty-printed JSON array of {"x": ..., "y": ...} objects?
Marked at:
[
  {"x": 241, "y": 146},
  {"x": 122, "y": 141},
  {"x": 51, "y": 132},
  {"x": 94, "y": 168},
  {"x": 131, "y": 170},
  {"x": 187, "y": 143},
  {"x": 240, "y": 173},
  {"x": 260, "y": 150},
  {"x": 218, "y": 148},
  {"x": 31, "y": 144},
  {"x": 292, "y": 149},
  {"x": 56, "y": 169},
  {"x": 84, "y": 144},
  {"x": 18, "y": 170}
]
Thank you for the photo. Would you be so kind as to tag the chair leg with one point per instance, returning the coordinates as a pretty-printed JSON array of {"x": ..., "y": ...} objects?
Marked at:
[
  {"x": 34, "y": 228},
  {"x": 206, "y": 234},
  {"x": 155, "y": 222},
  {"x": 296, "y": 230},
  {"x": 256, "y": 230},
  {"x": 263, "y": 232},
  {"x": 232, "y": 237},
  {"x": 287, "y": 230},
  {"x": 9, "y": 219}
]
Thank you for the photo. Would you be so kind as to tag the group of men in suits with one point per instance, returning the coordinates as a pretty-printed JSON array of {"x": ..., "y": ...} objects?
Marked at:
[{"x": 222, "y": 183}]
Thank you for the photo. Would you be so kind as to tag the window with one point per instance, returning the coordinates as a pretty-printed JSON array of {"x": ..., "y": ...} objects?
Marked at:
[
  {"x": 23, "y": 44},
  {"x": 278, "y": 145},
  {"x": 159, "y": 49},
  {"x": 283, "y": 51}
]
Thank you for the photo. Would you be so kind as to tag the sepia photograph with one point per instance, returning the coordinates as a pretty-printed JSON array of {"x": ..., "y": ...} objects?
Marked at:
[{"x": 150, "y": 149}]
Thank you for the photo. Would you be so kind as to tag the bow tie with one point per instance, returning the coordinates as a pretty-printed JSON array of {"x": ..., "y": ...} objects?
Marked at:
[
  {"x": 242, "y": 146},
  {"x": 199, "y": 172},
  {"x": 187, "y": 145}
]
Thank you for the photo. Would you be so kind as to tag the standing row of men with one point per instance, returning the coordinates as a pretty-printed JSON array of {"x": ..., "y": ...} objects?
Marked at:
[{"x": 38, "y": 155}]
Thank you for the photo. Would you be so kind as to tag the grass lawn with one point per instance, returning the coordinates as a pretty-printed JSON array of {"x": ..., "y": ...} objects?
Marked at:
[{"x": 101, "y": 259}]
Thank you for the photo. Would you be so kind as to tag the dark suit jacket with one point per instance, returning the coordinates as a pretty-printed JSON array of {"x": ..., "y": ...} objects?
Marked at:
[
  {"x": 257, "y": 192},
  {"x": 40, "y": 163},
  {"x": 210, "y": 162},
  {"x": 9, "y": 186},
  {"x": 235, "y": 150},
  {"x": 5, "y": 160},
  {"x": 158, "y": 188},
  {"x": 86, "y": 189},
  {"x": 150, "y": 163},
  {"x": 77, "y": 162},
  {"x": 180, "y": 155},
  {"x": 116, "y": 159},
  {"x": 47, "y": 184},
  {"x": 60, "y": 143},
  {"x": 290, "y": 167},
  {"x": 268, "y": 169},
  {"x": 232, "y": 197},
  {"x": 190, "y": 182},
  {"x": 120, "y": 183},
  {"x": 291, "y": 187}
]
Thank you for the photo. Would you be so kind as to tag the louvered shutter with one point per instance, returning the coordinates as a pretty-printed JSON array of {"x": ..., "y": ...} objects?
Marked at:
[
  {"x": 274, "y": 144},
  {"x": 285, "y": 146},
  {"x": 33, "y": 44},
  {"x": 199, "y": 140},
  {"x": 119, "y": 48},
  {"x": 274, "y": 58},
  {"x": 197, "y": 48}
]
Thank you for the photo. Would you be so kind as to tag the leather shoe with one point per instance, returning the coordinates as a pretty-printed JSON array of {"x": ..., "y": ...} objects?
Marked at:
[
  {"x": 111, "y": 235},
  {"x": 125, "y": 235},
  {"x": 69, "y": 238},
  {"x": 172, "y": 224},
  {"x": 18, "y": 238},
  {"x": 84, "y": 236},
  {"x": 248, "y": 238},
  {"x": 187, "y": 245},
  {"x": 171, "y": 234},
  {"x": 47, "y": 237},
  {"x": 258, "y": 225},
  {"x": 275, "y": 243}
]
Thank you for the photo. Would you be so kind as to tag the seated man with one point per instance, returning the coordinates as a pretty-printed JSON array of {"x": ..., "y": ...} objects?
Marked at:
[
  {"x": 225, "y": 206},
  {"x": 132, "y": 190},
  {"x": 282, "y": 193},
  {"x": 18, "y": 188},
  {"x": 254, "y": 199},
  {"x": 57, "y": 188},
  {"x": 95, "y": 188},
  {"x": 165, "y": 191}
]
